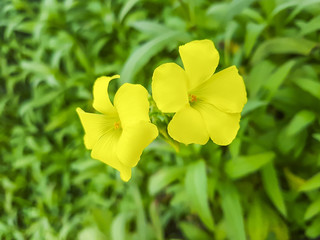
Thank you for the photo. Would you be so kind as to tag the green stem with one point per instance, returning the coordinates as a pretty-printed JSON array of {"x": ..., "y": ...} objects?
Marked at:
[{"x": 161, "y": 120}]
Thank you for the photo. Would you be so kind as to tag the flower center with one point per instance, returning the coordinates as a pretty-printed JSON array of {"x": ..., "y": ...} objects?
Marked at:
[
  {"x": 192, "y": 98},
  {"x": 117, "y": 125}
]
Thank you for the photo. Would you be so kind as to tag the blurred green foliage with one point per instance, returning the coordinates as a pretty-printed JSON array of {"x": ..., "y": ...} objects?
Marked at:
[{"x": 265, "y": 185}]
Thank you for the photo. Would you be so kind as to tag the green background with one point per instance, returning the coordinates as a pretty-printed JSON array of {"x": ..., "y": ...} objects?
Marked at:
[{"x": 265, "y": 185}]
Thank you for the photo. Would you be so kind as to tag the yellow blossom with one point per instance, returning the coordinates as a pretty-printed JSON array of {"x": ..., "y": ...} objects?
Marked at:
[
  {"x": 205, "y": 104},
  {"x": 118, "y": 136}
]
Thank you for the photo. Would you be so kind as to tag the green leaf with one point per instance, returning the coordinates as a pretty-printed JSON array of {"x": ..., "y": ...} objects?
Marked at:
[
  {"x": 283, "y": 45},
  {"x": 257, "y": 77},
  {"x": 312, "y": 26},
  {"x": 257, "y": 223},
  {"x": 308, "y": 85},
  {"x": 276, "y": 79},
  {"x": 252, "y": 33},
  {"x": 156, "y": 220},
  {"x": 146, "y": 51},
  {"x": 126, "y": 8},
  {"x": 252, "y": 105},
  {"x": 102, "y": 219},
  {"x": 118, "y": 227},
  {"x": 150, "y": 27},
  {"x": 316, "y": 136},
  {"x": 283, "y": 6},
  {"x": 36, "y": 67},
  {"x": 277, "y": 225},
  {"x": 230, "y": 30},
  {"x": 26, "y": 27},
  {"x": 313, "y": 231},
  {"x": 196, "y": 189},
  {"x": 300, "y": 121},
  {"x": 163, "y": 178},
  {"x": 300, "y": 6},
  {"x": 91, "y": 233},
  {"x": 294, "y": 181},
  {"x": 311, "y": 184},
  {"x": 225, "y": 12},
  {"x": 312, "y": 210},
  {"x": 244, "y": 165},
  {"x": 141, "y": 223},
  {"x": 83, "y": 58},
  {"x": 267, "y": 6},
  {"x": 272, "y": 187},
  {"x": 232, "y": 210},
  {"x": 191, "y": 231}
]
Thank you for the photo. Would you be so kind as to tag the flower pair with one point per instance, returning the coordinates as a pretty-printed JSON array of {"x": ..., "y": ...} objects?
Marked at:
[{"x": 206, "y": 105}]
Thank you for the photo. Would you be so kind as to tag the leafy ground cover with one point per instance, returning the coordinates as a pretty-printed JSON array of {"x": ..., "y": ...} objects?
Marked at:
[{"x": 265, "y": 185}]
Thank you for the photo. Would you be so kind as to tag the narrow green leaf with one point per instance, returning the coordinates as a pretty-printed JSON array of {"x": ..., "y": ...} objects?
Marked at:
[
  {"x": 118, "y": 227},
  {"x": 283, "y": 45},
  {"x": 143, "y": 53},
  {"x": 126, "y": 8},
  {"x": 253, "y": 14},
  {"x": 267, "y": 6},
  {"x": 277, "y": 225},
  {"x": 141, "y": 222},
  {"x": 230, "y": 30},
  {"x": 196, "y": 189},
  {"x": 299, "y": 122},
  {"x": 36, "y": 67},
  {"x": 252, "y": 105},
  {"x": 237, "y": 6},
  {"x": 252, "y": 33},
  {"x": 102, "y": 219},
  {"x": 295, "y": 182},
  {"x": 316, "y": 136},
  {"x": 311, "y": 184},
  {"x": 300, "y": 6},
  {"x": 244, "y": 165},
  {"x": 156, "y": 221},
  {"x": 150, "y": 27},
  {"x": 232, "y": 210},
  {"x": 272, "y": 187},
  {"x": 313, "y": 231},
  {"x": 26, "y": 27},
  {"x": 312, "y": 210},
  {"x": 276, "y": 79},
  {"x": 283, "y": 6},
  {"x": 218, "y": 11},
  {"x": 163, "y": 178},
  {"x": 191, "y": 231},
  {"x": 90, "y": 233},
  {"x": 312, "y": 26},
  {"x": 308, "y": 85},
  {"x": 83, "y": 59},
  {"x": 257, "y": 223},
  {"x": 257, "y": 77}
]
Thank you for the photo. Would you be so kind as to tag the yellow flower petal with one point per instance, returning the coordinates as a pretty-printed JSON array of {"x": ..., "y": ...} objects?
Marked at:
[
  {"x": 125, "y": 174},
  {"x": 133, "y": 140},
  {"x": 169, "y": 87},
  {"x": 225, "y": 90},
  {"x": 131, "y": 102},
  {"x": 95, "y": 125},
  {"x": 187, "y": 126},
  {"x": 200, "y": 59},
  {"x": 222, "y": 127},
  {"x": 101, "y": 100},
  {"x": 105, "y": 150}
]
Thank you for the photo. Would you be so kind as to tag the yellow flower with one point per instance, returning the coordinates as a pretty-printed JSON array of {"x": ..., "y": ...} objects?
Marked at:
[
  {"x": 205, "y": 104},
  {"x": 118, "y": 136}
]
